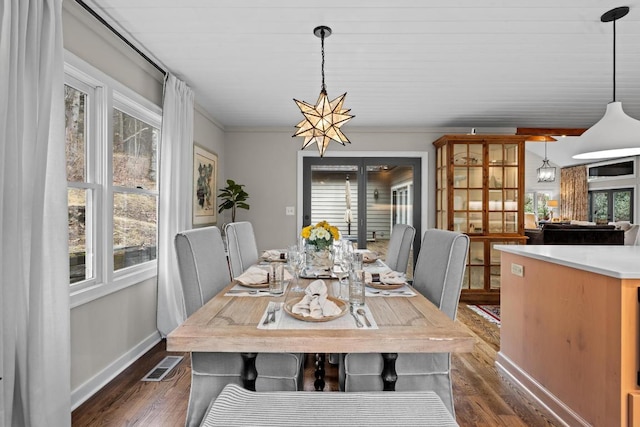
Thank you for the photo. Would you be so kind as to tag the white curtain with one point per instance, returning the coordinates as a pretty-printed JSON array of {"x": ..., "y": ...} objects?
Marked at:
[
  {"x": 34, "y": 261},
  {"x": 176, "y": 164}
]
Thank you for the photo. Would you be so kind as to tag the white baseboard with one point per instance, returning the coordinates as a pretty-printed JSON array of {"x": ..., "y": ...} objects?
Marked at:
[
  {"x": 91, "y": 387},
  {"x": 563, "y": 414}
]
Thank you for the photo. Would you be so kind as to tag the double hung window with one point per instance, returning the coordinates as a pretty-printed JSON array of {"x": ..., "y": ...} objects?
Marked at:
[{"x": 112, "y": 143}]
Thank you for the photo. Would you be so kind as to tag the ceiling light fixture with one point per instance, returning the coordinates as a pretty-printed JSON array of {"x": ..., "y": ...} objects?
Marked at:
[
  {"x": 616, "y": 134},
  {"x": 546, "y": 172},
  {"x": 323, "y": 120}
]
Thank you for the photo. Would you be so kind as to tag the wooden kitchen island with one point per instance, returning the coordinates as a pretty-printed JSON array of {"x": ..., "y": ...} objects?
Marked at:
[{"x": 569, "y": 330}]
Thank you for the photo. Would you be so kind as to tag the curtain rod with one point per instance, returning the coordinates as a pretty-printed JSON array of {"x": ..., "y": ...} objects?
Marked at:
[{"x": 120, "y": 36}]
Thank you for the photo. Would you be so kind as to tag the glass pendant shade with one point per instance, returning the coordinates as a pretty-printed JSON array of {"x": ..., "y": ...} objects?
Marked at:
[
  {"x": 322, "y": 122},
  {"x": 546, "y": 172},
  {"x": 615, "y": 135}
]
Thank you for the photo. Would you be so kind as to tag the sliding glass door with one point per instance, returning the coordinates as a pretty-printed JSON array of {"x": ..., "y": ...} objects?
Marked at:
[{"x": 363, "y": 197}]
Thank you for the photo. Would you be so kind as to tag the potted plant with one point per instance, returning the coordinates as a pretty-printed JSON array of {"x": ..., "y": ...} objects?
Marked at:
[{"x": 233, "y": 197}]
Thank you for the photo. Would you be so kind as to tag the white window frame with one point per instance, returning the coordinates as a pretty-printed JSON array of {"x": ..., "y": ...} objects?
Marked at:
[{"x": 106, "y": 93}]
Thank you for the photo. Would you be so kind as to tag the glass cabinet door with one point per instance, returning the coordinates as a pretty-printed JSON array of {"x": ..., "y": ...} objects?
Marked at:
[{"x": 468, "y": 188}]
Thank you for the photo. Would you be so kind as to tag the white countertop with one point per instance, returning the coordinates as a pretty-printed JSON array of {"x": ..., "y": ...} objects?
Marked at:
[{"x": 622, "y": 262}]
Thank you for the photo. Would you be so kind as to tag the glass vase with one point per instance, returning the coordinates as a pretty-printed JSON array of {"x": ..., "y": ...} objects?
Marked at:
[{"x": 319, "y": 259}]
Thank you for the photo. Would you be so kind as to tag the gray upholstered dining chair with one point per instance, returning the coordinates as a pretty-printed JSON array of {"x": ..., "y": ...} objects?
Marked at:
[
  {"x": 241, "y": 246},
  {"x": 399, "y": 248},
  {"x": 438, "y": 276},
  {"x": 204, "y": 273}
]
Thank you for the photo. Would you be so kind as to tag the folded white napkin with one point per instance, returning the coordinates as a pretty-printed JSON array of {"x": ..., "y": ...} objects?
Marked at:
[
  {"x": 387, "y": 278},
  {"x": 315, "y": 303},
  {"x": 369, "y": 256},
  {"x": 253, "y": 276},
  {"x": 392, "y": 278},
  {"x": 272, "y": 255}
]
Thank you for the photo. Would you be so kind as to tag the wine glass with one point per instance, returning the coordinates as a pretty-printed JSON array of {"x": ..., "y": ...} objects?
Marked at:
[
  {"x": 341, "y": 268},
  {"x": 345, "y": 263}
]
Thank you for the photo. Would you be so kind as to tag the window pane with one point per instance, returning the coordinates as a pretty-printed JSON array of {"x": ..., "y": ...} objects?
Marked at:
[
  {"x": 75, "y": 129},
  {"x": 134, "y": 152},
  {"x": 528, "y": 202},
  {"x": 80, "y": 264},
  {"x": 622, "y": 205},
  {"x": 600, "y": 206},
  {"x": 134, "y": 229},
  {"x": 543, "y": 209}
]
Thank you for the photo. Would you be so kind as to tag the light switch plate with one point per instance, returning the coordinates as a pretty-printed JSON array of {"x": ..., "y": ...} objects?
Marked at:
[{"x": 517, "y": 270}]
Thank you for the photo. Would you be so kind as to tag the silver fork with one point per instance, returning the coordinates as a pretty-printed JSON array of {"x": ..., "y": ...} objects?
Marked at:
[
  {"x": 270, "y": 313},
  {"x": 276, "y": 308}
]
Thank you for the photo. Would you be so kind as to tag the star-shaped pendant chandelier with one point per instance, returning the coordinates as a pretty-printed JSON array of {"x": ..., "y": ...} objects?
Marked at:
[{"x": 322, "y": 121}]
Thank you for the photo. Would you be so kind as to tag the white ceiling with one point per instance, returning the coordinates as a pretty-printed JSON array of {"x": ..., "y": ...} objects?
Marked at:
[{"x": 409, "y": 63}]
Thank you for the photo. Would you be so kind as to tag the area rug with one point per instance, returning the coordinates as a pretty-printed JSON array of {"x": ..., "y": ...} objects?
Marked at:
[{"x": 489, "y": 312}]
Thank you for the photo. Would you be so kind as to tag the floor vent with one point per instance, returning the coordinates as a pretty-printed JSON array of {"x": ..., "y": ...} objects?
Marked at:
[{"x": 163, "y": 368}]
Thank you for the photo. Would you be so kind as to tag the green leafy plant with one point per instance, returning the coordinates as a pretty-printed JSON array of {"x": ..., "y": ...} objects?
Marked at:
[{"x": 234, "y": 197}]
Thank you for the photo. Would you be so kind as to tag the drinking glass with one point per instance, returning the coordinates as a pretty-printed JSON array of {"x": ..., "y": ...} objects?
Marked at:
[
  {"x": 276, "y": 278},
  {"x": 356, "y": 288},
  {"x": 296, "y": 263}
]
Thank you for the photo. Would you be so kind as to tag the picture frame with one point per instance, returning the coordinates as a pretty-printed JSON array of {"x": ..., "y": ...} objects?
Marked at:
[{"x": 205, "y": 183}]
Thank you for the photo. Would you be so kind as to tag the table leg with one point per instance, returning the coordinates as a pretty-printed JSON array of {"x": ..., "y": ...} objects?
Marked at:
[
  {"x": 249, "y": 372},
  {"x": 319, "y": 382},
  {"x": 389, "y": 375}
]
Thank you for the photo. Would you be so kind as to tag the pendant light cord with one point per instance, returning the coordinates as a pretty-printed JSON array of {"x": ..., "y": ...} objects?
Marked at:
[
  {"x": 324, "y": 88},
  {"x": 614, "y": 61}
]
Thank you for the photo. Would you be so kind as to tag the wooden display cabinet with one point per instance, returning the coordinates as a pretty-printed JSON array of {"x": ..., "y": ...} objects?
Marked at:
[{"x": 480, "y": 192}]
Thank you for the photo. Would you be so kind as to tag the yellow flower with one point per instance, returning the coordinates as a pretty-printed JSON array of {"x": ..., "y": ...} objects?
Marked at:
[
  {"x": 334, "y": 232},
  {"x": 321, "y": 235}
]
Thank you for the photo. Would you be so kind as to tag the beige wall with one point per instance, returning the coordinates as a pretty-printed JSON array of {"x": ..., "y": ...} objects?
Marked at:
[
  {"x": 266, "y": 162},
  {"x": 107, "y": 328},
  {"x": 109, "y": 333}
]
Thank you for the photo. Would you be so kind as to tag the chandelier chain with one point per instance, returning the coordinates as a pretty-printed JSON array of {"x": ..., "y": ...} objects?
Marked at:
[{"x": 324, "y": 88}]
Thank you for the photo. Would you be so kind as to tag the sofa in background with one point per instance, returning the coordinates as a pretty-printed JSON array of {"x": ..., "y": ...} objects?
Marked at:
[
  {"x": 574, "y": 234},
  {"x": 631, "y": 235}
]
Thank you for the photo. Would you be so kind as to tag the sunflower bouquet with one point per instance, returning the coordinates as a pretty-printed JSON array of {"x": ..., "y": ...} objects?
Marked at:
[{"x": 320, "y": 235}]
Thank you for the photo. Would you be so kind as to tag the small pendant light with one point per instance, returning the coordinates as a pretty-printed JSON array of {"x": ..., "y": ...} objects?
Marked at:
[{"x": 546, "y": 172}]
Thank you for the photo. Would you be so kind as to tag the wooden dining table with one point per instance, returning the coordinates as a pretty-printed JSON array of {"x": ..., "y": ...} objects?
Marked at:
[{"x": 404, "y": 325}]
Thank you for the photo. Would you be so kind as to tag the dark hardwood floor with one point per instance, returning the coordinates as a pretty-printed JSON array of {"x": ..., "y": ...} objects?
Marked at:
[{"x": 482, "y": 397}]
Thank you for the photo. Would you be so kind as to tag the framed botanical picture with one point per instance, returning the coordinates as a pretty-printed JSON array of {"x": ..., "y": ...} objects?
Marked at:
[{"x": 205, "y": 172}]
